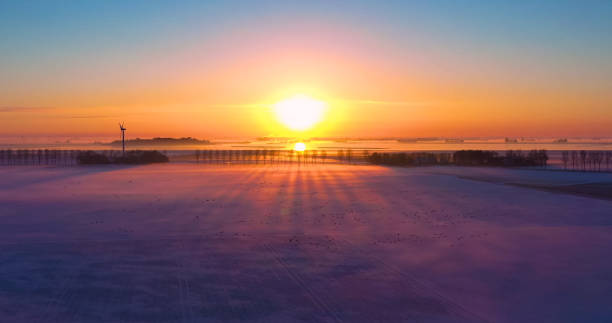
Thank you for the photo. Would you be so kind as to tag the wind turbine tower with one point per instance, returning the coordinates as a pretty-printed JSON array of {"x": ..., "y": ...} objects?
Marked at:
[{"x": 122, "y": 137}]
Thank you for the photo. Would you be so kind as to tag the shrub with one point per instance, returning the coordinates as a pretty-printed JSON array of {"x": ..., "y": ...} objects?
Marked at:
[
  {"x": 406, "y": 159},
  {"x": 462, "y": 158},
  {"x": 131, "y": 157},
  {"x": 141, "y": 157},
  {"x": 91, "y": 158},
  {"x": 477, "y": 158}
]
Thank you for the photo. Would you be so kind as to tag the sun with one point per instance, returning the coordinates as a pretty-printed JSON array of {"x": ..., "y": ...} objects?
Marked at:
[
  {"x": 299, "y": 146},
  {"x": 300, "y": 112}
]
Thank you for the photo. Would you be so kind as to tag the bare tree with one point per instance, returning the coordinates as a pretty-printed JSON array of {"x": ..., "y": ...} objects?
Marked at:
[
  {"x": 26, "y": 157},
  {"x": 592, "y": 160},
  {"x": 444, "y": 158},
  {"x": 589, "y": 159},
  {"x": 542, "y": 157},
  {"x": 565, "y": 158},
  {"x": 583, "y": 159},
  {"x": 599, "y": 158}
]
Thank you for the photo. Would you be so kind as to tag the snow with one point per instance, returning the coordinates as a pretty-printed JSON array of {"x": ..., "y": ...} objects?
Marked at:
[{"x": 192, "y": 243}]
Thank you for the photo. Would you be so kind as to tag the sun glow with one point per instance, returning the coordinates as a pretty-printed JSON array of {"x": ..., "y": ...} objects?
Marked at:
[
  {"x": 300, "y": 112},
  {"x": 299, "y": 146}
]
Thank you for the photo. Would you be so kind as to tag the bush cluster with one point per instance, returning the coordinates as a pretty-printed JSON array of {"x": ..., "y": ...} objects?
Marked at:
[
  {"x": 512, "y": 158},
  {"x": 463, "y": 158},
  {"x": 133, "y": 157},
  {"x": 409, "y": 159},
  {"x": 92, "y": 158}
]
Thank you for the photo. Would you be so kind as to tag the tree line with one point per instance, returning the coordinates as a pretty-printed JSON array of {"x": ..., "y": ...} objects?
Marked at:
[
  {"x": 67, "y": 157},
  {"x": 275, "y": 156},
  {"x": 409, "y": 159},
  {"x": 132, "y": 157},
  {"x": 212, "y": 156},
  {"x": 584, "y": 160},
  {"x": 38, "y": 157},
  {"x": 571, "y": 160},
  {"x": 512, "y": 158}
]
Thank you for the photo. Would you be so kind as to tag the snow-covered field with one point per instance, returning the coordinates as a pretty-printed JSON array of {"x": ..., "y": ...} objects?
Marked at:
[{"x": 189, "y": 243}]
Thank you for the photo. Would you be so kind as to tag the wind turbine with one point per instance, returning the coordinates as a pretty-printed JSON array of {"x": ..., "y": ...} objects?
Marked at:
[{"x": 122, "y": 137}]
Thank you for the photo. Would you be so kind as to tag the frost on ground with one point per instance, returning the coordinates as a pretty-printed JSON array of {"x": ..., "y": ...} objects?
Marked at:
[{"x": 188, "y": 243}]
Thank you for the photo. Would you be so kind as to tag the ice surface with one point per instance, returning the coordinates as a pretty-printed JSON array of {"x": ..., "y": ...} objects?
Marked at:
[{"x": 189, "y": 243}]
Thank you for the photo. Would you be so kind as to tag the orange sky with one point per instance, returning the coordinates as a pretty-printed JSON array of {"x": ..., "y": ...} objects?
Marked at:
[{"x": 376, "y": 83}]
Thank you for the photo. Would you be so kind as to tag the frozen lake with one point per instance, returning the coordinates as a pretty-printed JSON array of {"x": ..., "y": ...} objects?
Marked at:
[{"x": 192, "y": 243}]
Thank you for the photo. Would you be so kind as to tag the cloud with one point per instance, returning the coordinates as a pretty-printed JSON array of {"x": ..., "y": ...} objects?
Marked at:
[
  {"x": 91, "y": 116},
  {"x": 55, "y": 114},
  {"x": 391, "y": 103},
  {"x": 23, "y": 109},
  {"x": 347, "y": 101},
  {"x": 237, "y": 105}
]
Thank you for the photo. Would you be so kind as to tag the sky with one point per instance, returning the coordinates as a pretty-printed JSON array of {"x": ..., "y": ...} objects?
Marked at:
[{"x": 384, "y": 68}]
